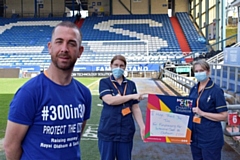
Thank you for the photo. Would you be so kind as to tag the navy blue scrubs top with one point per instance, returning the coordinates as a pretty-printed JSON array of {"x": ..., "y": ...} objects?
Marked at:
[
  {"x": 208, "y": 134},
  {"x": 113, "y": 126}
]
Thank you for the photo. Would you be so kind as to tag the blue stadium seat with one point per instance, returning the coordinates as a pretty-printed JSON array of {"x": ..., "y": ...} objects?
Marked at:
[{"x": 190, "y": 32}]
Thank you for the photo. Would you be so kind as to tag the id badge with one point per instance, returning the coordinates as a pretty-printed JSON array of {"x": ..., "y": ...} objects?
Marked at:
[
  {"x": 197, "y": 119},
  {"x": 126, "y": 111}
]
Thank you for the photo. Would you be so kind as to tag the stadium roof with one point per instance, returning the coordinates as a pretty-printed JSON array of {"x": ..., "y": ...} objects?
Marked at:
[{"x": 236, "y": 3}]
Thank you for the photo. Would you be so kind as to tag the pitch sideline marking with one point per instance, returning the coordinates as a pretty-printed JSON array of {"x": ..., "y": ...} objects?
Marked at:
[
  {"x": 93, "y": 84},
  {"x": 90, "y": 132}
]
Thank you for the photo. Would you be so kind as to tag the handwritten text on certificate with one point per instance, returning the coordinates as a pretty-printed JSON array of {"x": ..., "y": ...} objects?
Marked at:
[{"x": 168, "y": 124}]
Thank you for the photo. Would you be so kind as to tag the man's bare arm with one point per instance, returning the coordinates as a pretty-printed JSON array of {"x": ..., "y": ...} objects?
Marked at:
[
  {"x": 14, "y": 135},
  {"x": 83, "y": 126}
]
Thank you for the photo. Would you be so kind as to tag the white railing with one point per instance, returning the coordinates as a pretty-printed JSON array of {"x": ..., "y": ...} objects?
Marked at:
[{"x": 220, "y": 56}]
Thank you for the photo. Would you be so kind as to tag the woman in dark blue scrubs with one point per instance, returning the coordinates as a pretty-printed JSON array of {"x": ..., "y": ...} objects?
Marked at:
[
  {"x": 207, "y": 134},
  {"x": 120, "y": 104}
]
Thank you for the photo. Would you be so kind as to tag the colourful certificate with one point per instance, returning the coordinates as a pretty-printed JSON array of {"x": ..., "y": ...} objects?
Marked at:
[{"x": 169, "y": 119}]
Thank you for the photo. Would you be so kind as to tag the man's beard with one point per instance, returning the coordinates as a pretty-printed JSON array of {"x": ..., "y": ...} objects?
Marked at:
[{"x": 63, "y": 66}]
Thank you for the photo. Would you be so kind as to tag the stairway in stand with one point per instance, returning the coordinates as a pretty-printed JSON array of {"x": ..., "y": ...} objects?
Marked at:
[
  {"x": 182, "y": 41},
  {"x": 79, "y": 23}
]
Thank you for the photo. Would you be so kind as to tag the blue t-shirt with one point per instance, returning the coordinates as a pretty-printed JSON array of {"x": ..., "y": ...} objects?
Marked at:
[
  {"x": 209, "y": 134},
  {"x": 113, "y": 126},
  {"x": 54, "y": 114}
]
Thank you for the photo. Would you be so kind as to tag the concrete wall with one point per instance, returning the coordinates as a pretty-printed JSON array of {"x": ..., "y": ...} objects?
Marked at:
[
  {"x": 181, "y": 6},
  {"x": 98, "y": 6},
  {"x": 26, "y": 8},
  {"x": 159, "y": 7}
]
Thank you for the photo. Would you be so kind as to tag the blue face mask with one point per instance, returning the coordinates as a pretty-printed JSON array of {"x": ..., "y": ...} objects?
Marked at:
[
  {"x": 201, "y": 76},
  {"x": 117, "y": 72}
]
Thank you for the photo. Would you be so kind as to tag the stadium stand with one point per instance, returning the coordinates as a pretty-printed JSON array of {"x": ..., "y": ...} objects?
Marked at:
[
  {"x": 24, "y": 41},
  {"x": 141, "y": 38},
  {"x": 33, "y": 35},
  {"x": 156, "y": 29}
]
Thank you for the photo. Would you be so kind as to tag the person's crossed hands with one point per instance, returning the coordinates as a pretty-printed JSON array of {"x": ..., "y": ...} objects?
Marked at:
[{"x": 138, "y": 96}]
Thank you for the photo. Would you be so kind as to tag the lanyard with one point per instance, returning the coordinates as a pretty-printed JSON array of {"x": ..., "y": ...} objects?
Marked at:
[
  {"x": 125, "y": 88},
  {"x": 201, "y": 93}
]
